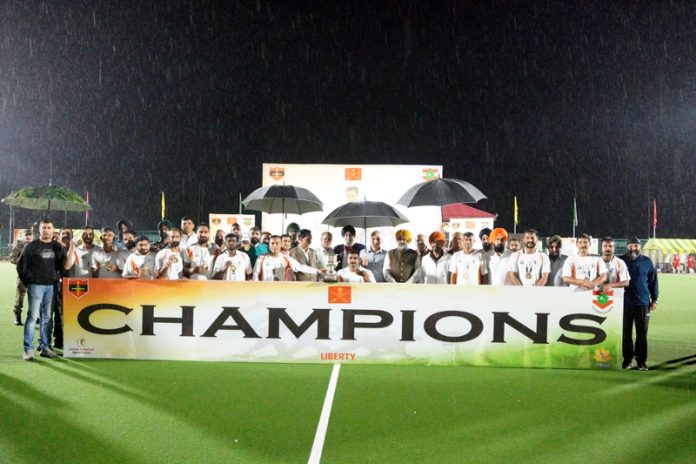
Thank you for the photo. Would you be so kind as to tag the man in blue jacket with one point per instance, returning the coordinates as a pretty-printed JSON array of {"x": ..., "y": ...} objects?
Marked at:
[{"x": 640, "y": 299}]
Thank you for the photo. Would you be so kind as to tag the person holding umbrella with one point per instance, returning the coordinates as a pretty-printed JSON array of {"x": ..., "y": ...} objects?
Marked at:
[
  {"x": 402, "y": 264},
  {"x": 39, "y": 268}
]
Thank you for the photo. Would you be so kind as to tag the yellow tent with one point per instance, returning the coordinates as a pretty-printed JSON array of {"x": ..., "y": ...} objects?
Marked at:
[{"x": 661, "y": 250}]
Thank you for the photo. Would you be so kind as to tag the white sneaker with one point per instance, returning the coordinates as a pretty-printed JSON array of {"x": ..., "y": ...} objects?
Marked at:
[{"x": 28, "y": 355}]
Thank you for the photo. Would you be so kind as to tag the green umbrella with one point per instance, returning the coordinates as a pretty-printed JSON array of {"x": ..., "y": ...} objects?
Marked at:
[{"x": 49, "y": 198}]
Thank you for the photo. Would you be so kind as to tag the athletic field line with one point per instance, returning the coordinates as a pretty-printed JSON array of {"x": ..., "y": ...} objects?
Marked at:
[{"x": 318, "y": 445}]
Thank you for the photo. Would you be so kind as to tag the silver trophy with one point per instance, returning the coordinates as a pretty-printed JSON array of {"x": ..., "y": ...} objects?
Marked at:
[{"x": 331, "y": 263}]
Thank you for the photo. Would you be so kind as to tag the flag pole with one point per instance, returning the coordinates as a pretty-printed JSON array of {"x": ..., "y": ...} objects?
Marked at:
[{"x": 654, "y": 217}]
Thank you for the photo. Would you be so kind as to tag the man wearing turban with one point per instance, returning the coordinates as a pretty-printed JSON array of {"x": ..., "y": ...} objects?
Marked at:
[
  {"x": 499, "y": 261},
  {"x": 435, "y": 265},
  {"x": 402, "y": 264}
]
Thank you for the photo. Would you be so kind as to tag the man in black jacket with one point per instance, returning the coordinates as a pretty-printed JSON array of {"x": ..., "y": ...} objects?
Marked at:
[{"x": 39, "y": 267}]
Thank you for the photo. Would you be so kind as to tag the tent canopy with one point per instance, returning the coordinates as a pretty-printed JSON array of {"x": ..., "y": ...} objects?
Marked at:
[{"x": 671, "y": 245}]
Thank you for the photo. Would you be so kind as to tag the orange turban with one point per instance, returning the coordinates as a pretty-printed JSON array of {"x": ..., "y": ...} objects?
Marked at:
[
  {"x": 407, "y": 235},
  {"x": 498, "y": 232},
  {"x": 437, "y": 236}
]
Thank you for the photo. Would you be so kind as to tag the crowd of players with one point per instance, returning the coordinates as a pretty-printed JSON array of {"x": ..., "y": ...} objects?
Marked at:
[{"x": 189, "y": 252}]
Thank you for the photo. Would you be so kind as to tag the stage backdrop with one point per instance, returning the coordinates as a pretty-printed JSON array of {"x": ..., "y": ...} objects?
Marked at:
[{"x": 361, "y": 323}]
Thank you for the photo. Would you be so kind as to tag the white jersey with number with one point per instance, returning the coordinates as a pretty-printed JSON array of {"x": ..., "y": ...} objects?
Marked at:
[
  {"x": 468, "y": 267},
  {"x": 616, "y": 270},
  {"x": 175, "y": 270},
  {"x": 581, "y": 267},
  {"x": 529, "y": 266},
  {"x": 240, "y": 266}
]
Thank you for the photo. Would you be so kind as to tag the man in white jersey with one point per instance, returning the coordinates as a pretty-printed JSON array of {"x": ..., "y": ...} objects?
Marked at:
[
  {"x": 108, "y": 261},
  {"x": 188, "y": 237},
  {"x": 83, "y": 255},
  {"x": 466, "y": 266},
  {"x": 200, "y": 257},
  {"x": 615, "y": 268},
  {"x": 354, "y": 272},
  {"x": 435, "y": 265},
  {"x": 582, "y": 270},
  {"x": 499, "y": 260},
  {"x": 168, "y": 261},
  {"x": 141, "y": 263},
  {"x": 529, "y": 267},
  {"x": 276, "y": 266},
  {"x": 233, "y": 265}
]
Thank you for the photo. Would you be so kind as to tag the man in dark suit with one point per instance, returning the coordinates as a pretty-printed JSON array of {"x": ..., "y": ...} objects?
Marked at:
[{"x": 348, "y": 234}]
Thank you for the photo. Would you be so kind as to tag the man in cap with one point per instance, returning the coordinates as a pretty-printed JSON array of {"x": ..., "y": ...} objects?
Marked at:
[
  {"x": 499, "y": 260},
  {"x": 21, "y": 289},
  {"x": 435, "y": 265},
  {"x": 348, "y": 234},
  {"x": 402, "y": 264},
  {"x": 556, "y": 261},
  {"x": 529, "y": 267},
  {"x": 640, "y": 299}
]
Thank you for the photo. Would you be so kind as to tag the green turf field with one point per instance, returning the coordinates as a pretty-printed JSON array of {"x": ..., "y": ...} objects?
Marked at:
[{"x": 91, "y": 411}]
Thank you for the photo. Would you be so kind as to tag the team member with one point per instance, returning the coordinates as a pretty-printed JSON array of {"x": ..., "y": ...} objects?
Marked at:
[
  {"x": 402, "y": 264},
  {"x": 583, "y": 270},
  {"x": 435, "y": 265},
  {"x": 285, "y": 244},
  {"x": 83, "y": 255},
  {"x": 200, "y": 257},
  {"x": 21, "y": 289},
  {"x": 141, "y": 263},
  {"x": 615, "y": 268},
  {"x": 354, "y": 272},
  {"x": 188, "y": 237},
  {"x": 232, "y": 265},
  {"x": 676, "y": 260},
  {"x": 107, "y": 262},
  {"x": 169, "y": 262},
  {"x": 39, "y": 268},
  {"x": 556, "y": 262},
  {"x": 275, "y": 266},
  {"x": 466, "y": 266},
  {"x": 303, "y": 254},
  {"x": 260, "y": 248},
  {"x": 529, "y": 267},
  {"x": 499, "y": 261},
  {"x": 514, "y": 245},
  {"x": 122, "y": 227},
  {"x": 640, "y": 299},
  {"x": 456, "y": 243},
  {"x": 690, "y": 261},
  {"x": 373, "y": 256},
  {"x": 348, "y": 234},
  {"x": 163, "y": 228}
]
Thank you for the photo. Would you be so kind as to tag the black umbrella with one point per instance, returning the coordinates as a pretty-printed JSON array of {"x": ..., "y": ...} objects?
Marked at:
[
  {"x": 285, "y": 199},
  {"x": 441, "y": 192},
  {"x": 365, "y": 214}
]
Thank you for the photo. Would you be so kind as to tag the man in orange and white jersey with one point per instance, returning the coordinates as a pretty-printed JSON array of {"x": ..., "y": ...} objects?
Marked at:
[
  {"x": 615, "y": 268},
  {"x": 466, "y": 266},
  {"x": 529, "y": 267},
  {"x": 583, "y": 270}
]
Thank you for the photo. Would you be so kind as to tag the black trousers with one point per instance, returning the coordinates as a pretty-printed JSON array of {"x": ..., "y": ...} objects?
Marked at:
[{"x": 638, "y": 316}]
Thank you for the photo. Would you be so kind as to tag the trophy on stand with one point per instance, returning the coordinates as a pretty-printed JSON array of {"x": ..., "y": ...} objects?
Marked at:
[{"x": 331, "y": 263}]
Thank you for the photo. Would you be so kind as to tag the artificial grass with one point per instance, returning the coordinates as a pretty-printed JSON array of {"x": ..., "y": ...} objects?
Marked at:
[{"x": 153, "y": 411}]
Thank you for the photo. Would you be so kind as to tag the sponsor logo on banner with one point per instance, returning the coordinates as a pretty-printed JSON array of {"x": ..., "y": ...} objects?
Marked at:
[
  {"x": 80, "y": 347},
  {"x": 430, "y": 174},
  {"x": 602, "y": 303},
  {"x": 339, "y": 294},
  {"x": 277, "y": 173},
  {"x": 78, "y": 288},
  {"x": 602, "y": 357},
  {"x": 353, "y": 173}
]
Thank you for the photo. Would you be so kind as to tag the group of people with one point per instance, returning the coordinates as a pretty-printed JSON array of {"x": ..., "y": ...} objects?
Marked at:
[{"x": 189, "y": 252}]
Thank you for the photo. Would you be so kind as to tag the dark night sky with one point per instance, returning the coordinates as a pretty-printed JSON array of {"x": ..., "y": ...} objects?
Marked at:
[{"x": 528, "y": 98}]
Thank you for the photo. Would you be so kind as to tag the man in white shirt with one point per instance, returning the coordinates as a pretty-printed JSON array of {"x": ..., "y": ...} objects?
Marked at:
[
  {"x": 582, "y": 271},
  {"x": 188, "y": 237},
  {"x": 615, "y": 268},
  {"x": 499, "y": 260},
  {"x": 233, "y": 265},
  {"x": 276, "y": 266},
  {"x": 303, "y": 254},
  {"x": 354, "y": 272},
  {"x": 168, "y": 261},
  {"x": 435, "y": 265},
  {"x": 141, "y": 263},
  {"x": 200, "y": 257},
  {"x": 466, "y": 266},
  {"x": 529, "y": 267},
  {"x": 108, "y": 261},
  {"x": 83, "y": 255},
  {"x": 325, "y": 250}
]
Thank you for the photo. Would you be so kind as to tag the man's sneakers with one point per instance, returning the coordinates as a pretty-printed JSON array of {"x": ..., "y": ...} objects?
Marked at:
[
  {"x": 28, "y": 355},
  {"x": 642, "y": 366},
  {"x": 46, "y": 352},
  {"x": 626, "y": 365}
]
